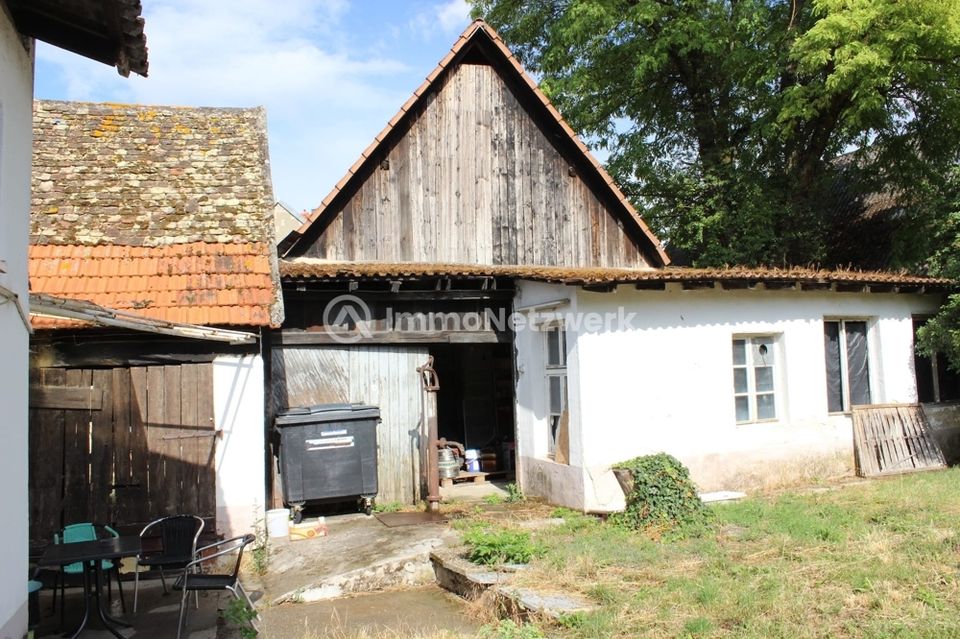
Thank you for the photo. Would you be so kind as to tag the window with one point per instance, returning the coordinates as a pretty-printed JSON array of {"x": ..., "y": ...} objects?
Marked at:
[
  {"x": 848, "y": 367},
  {"x": 556, "y": 373},
  {"x": 754, "y": 386}
]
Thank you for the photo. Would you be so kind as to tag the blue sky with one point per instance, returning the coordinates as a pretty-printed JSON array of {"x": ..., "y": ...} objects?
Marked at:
[{"x": 329, "y": 72}]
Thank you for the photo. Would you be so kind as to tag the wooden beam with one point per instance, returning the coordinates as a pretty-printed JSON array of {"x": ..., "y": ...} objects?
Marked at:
[
  {"x": 650, "y": 285},
  {"x": 66, "y": 397},
  {"x": 408, "y": 296},
  {"x": 692, "y": 285},
  {"x": 313, "y": 338},
  {"x": 780, "y": 285}
]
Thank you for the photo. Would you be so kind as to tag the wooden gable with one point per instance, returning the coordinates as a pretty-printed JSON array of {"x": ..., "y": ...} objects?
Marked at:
[{"x": 478, "y": 168}]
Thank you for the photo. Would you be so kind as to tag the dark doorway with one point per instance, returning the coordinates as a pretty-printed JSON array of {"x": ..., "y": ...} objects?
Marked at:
[{"x": 475, "y": 405}]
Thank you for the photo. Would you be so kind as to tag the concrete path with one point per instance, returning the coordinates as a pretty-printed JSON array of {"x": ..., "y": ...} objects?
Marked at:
[
  {"x": 358, "y": 554},
  {"x": 423, "y": 611},
  {"x": 156, "y": 617}
]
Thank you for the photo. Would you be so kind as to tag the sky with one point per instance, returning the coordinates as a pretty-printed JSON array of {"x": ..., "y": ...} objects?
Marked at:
[{"x": 330, "y": 73}]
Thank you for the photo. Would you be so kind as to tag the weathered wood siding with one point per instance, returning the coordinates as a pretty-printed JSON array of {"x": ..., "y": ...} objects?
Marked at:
[
  {"x": 383, "y": 376},
  {"x": 145, "y": 450},
  {"x": 475, "y": 181}
]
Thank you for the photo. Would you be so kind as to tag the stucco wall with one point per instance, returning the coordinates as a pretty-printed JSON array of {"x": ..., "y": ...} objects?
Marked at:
[
  {"x": 239, "y": 412},
  {"x": 662, "y": 380},
  {"x": 16, "y": 91},
  {"x": 536, "y": 474}
]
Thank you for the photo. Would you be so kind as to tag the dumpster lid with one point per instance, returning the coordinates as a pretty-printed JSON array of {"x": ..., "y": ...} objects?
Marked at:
[{"x": 321, "y": 413}]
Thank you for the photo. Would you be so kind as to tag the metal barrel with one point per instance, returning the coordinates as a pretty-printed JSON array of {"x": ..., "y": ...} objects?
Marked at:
[{"x": 448, "y": 464}]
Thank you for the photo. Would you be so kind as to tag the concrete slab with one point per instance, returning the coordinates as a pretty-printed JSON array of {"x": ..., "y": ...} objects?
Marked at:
[
  {"x": 358, "y": 554},
  {"x": 156, "y": 617},
  {"x": 471, "y": 581},
  {"x": 467, "y": 492},
  {"x": 426, "y": 611}
]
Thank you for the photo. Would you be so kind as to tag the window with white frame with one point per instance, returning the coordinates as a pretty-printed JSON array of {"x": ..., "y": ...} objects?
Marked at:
[
  {"x": 754, "y": 378},
  {"x": 847, "y": 364},
  {"x": 556, "y": 374}
]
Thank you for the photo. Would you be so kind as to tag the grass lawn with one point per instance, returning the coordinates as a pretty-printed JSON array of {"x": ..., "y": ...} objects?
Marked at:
[{"x": 871, "y": 559}]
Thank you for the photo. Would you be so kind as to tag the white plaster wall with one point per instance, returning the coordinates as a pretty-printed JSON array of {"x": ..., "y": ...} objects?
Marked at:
[
  {"x": 239, "y": 412},
  {"x": 561, "y": 484},
  {"x": 662, "y": 380},
  {"x": 665, "y": 382},
  {"x": 16, "y": 133}
]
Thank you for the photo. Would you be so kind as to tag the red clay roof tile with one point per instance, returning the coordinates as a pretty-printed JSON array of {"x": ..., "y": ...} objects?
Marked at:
[{"x": 200, "y": 283}]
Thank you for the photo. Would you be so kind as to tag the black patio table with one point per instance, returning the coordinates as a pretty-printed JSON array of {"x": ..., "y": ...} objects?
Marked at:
[{"x": 91, "y": 554}]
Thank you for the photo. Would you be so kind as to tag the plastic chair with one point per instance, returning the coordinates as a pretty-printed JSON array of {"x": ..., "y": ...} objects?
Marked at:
[
  {"x": 178, "y": 538},
  {"x": 85, "y": 532},
  {"x": 195, "y": 580}
]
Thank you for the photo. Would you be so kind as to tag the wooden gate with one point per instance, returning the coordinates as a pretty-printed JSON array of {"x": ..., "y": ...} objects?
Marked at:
[{"x": 120, "y": 445}]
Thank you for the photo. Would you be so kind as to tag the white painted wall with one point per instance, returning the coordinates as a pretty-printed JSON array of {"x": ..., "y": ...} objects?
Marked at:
[
  {"x": 239, "y": 412},
  {"x": 664, "y": 382},
  {"x": 16, "y": 136},
  {"x": 562, "y": 484}
]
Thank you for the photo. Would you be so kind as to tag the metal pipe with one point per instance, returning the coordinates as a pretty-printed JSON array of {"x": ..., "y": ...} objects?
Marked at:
[{"x": 431, "y": 384}]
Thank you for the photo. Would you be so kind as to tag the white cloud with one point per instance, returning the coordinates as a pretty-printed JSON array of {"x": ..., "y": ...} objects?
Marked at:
[
  {"x": 443, "y": 19},
  {"x": 325, "y": 100},
  {"x": 454, "y": 15}
]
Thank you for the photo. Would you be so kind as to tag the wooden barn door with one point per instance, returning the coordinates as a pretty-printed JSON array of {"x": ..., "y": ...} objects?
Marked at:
[
  {"x": 120, "y": 445},
  {"x": 381, "y": 375}
]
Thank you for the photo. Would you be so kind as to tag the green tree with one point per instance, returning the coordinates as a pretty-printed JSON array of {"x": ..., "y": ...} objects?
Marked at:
[
  {"x": 942, "y": 332},
  {"x": 752, "y": 131}
]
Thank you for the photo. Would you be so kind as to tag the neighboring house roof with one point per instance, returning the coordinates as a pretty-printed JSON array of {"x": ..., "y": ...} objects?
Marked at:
[
  {"x": 165, "y": 211},
  {"x": 109, "y": 31},
  {"x": 285, "y": 220},
  {"x": 479, "y": 35},
  {"x": 305, "y": 269}
]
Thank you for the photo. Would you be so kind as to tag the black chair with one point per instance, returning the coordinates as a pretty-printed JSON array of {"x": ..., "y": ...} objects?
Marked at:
[
  {"x": 194, "y": 580},
  {"x": 178, "y": 538}
]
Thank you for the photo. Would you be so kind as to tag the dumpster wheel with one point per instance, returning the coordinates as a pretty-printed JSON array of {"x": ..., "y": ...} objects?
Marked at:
[{"x": 297, "y": 512}]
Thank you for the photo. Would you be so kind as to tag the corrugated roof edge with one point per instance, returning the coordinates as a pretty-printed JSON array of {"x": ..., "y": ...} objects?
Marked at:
[
  {"x": 313, "y": 269},
  {"x": 468, "y": 34}
]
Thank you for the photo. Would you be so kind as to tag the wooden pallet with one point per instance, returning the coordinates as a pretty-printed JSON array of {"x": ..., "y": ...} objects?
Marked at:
[
  {"x": 893, "y": 438},
  {"x": 462, "y": 478}
]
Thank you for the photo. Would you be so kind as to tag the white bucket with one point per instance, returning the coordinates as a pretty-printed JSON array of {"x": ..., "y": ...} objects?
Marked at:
[
  {"x": 278, "y": 522},
  {"x": 473, "y": 460}
]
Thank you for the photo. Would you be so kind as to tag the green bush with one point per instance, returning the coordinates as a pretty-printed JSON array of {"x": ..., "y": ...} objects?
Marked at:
[
  {"x": 663, "y": 498},
  {"x": 500, "y": 546}
]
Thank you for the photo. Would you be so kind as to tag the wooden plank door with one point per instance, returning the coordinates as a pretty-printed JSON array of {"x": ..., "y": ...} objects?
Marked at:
[{"x": 120, "y": 445}]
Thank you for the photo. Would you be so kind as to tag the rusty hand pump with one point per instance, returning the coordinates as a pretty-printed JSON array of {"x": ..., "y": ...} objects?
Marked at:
[{"x": 431, "y": 384}]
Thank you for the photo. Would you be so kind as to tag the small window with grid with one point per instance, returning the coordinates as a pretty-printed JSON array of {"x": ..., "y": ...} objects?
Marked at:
[{"x": 754, "y": 379}]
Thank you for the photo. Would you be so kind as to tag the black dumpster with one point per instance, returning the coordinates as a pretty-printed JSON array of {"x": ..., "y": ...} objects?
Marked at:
[{"x": 328, "y": 453}]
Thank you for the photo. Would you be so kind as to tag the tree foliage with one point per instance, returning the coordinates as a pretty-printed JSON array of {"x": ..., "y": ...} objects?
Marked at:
[{"x": 759, "y": 131}]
